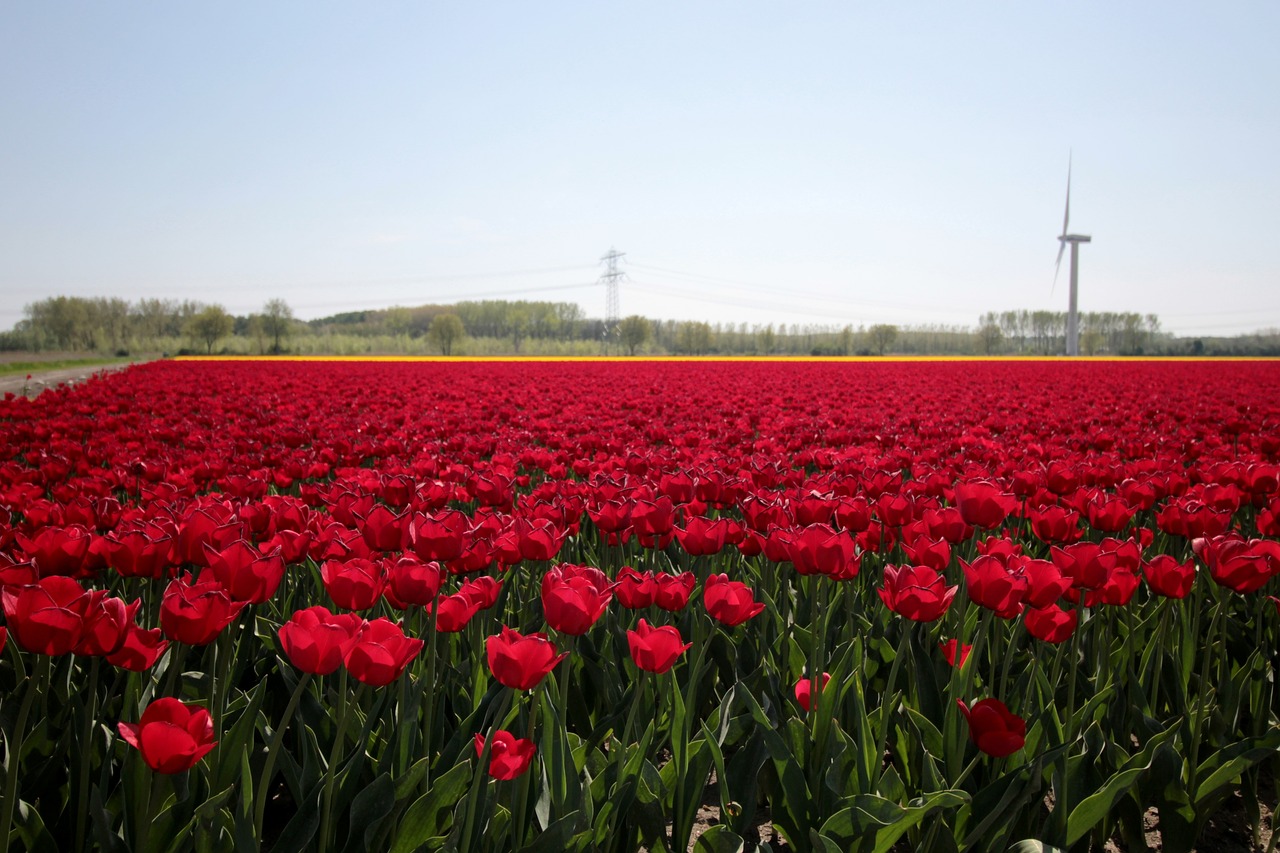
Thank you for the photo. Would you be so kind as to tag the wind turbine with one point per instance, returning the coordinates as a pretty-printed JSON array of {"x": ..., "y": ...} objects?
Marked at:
[{"x": 1073, "y": 315}]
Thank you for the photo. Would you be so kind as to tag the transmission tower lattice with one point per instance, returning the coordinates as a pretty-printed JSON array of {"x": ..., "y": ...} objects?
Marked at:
[{"x": 612, "y": 275}]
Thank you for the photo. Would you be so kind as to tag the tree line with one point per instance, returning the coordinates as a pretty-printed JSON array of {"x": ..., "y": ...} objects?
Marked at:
[{"x": 494, "y": 327}]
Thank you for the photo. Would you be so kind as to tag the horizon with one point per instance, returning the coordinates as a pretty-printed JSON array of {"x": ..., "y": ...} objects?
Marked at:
[{"x": 814, "y": 165}]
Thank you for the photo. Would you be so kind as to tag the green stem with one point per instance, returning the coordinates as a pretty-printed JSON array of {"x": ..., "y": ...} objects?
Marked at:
[
  {"x": 482, "y": 772},
  {"x": 35, "y": 685},
  {"x": 273, "y": 751},
  {"x": 331, "y": 771},
  {"x": 1202, "y": 702},
  {"x": 86, "y": 751},
  {"x": 887, "y": 706},
  {"x": 429, "y": 695},
  {"x": 1062, "y": 801}
]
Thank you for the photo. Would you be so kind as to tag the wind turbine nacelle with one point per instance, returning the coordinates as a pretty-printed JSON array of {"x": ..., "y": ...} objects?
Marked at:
[{"x": 1075, "y": 238}]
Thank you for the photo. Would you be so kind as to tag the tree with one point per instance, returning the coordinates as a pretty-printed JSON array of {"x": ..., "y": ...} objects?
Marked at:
[
  {"x": 445, "y": 331},
  {"x": 990, "y": 336},
  {"x": 634, "y": 331},
  {"x": 276, "y": 317},
  {"x": 882, "y": 336},
  {"x": 209, "y": 325}
]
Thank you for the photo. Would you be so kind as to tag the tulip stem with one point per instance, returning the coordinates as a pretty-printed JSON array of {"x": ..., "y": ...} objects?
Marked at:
[
  {"x": 86, "y": 751},
  {"x": 14, "y": 747},
  {"x": 1202, "y": 702},
  {"x": 273, "y": 751},
  {"x": 482, "y": 770},
  {"x": 887, "y": 706},
  {"x": 335, "y": 753},
  {"x": 429, "y": 694},
  {"x": 1062, "y": 793}
]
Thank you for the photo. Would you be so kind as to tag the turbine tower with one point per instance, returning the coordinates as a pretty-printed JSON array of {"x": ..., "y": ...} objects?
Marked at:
[{"x": 1073, "y": 314}]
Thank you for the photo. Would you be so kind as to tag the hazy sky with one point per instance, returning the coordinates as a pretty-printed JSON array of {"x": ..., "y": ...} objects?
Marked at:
[{"x": 757, "y": 161}]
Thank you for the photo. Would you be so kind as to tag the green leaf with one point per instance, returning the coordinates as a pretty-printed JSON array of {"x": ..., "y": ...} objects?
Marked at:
[
  {"x": 431, "y": 814},
  {"x": 886, "y": 821},
  {"x": 1030, "y": 845},
  {"x": 238, "y": 740},
  {"x": 555, "y": 838},
  {"x": 369, "y": 808},
  {"x": 719, "y": 839},
  {"x": 1226, "y": 765},
  {"x": 1093, "y": 809}
]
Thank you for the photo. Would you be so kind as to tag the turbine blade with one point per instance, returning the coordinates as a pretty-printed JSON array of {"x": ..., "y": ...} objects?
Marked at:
[
  {"x": 1066, "y": 216},
  {"x": 1058, "y": 266}
]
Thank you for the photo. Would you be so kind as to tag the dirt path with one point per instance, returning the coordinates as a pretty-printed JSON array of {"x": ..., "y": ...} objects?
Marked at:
[{"x": 43, "y": 379}]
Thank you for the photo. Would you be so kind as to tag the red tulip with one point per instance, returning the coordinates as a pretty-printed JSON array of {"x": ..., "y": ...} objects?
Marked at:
[
  {"x": 916, "y": 592},
  {"x": 1166, "y": 576},
  {"x": 804, "y": 690},
  {"x": 519, "y": 661},
  {"x": 313, "y": 639},
  {"x": 414, "y": 583},
  {"x": 107, "y": 623},
  {"x": 354, "y": 584},
  {"x": 984, "y": 504},
  {"x": 994, "y": 587},
  {"x": 994, "y": 728},
  {"x": 1244, "y": 566},
  {"x": 453, "y": 612},
  {"x": 701, "y": 537},
  {"x": 1045, "y": 583},
  {"x": 730, "y": 602},
  {"x": 47, "y": 617},
  {"x": 509, "y": 756},
  {"x": 172, "y": 736},
  {"x": 379, "y": 652},
  {"x": 140, "y": 650},
  {"x": 671, "y": 592},
  {"x": 1051, "y": 624},
  {"x": 245, "y": 573},
  {"x": 382, "y": 529},
  {"x": 136, "y": 554},
  {"x": 59, "y": 550},
  {"x": 655, "y": 649},
  {"x": 635, "y": 590},
  {"x": 953, "y": 649},
  {"x": 574, "y": 597},
  {"x": 439, "y": 537},
  {"x": 196, "y": 613},
  {"x": 1055, "y": 524},
  {"x": 817, "y": 549}
]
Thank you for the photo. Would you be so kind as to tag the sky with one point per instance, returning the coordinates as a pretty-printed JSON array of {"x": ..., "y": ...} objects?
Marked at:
[{"x": 758, "y": 162}]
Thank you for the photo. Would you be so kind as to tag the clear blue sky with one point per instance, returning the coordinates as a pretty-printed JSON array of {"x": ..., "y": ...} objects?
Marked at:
[{"x": 757, "y": 161}]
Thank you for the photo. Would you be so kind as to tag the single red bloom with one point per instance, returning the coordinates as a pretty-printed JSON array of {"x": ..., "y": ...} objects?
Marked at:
[
  {"x": 984, "y": 504},
  {"x": 916, "y": 592},
  {"x": 1051, "y": 624},
  {"x": 519, "y": 661},
  {"x": 701, "y": 537},
  {"x": 355, "y": 584},
  {"x": 171, "y": 735},
  {"x": 313, "y": 639},
  {"x": 1166, "y": 576},
  {"x": 453, "y": 612},
  {"x": 655, "y": 649},
  {"x": 246, "y": 574},
  {"x": 635, "y": 590},
  {"x": 994, "y": 728},
  {"x": 730, "y": 602},
  {"x": 47, "y": 617},
  {"x": 106, "y": 625},
  {"x": 950, "y": 648},
  {"x": 379, "y": 653},
  {"x": 574, "y": 598},
  {"x": 994, "y": 587},
  {"x": 804, "y": 690},
  {"x": 414, "y": 583},
  {"x": 671, "y": 592},
  {"x": 509, "y": 756},
  {"x": 196, "y": 613},
  {"x": 140, "y": 650}
]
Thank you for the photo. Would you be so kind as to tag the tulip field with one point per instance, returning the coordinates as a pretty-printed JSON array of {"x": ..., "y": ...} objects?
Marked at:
[{"x": 609, "y": 606}]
